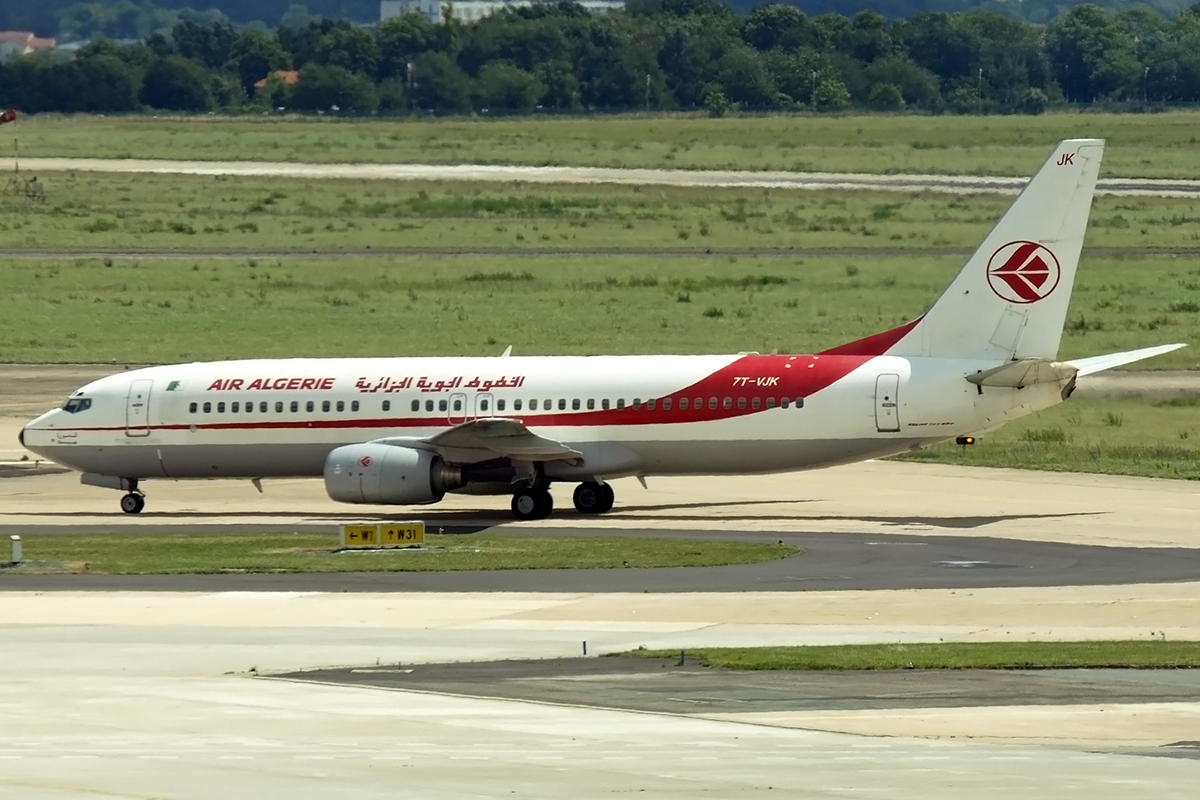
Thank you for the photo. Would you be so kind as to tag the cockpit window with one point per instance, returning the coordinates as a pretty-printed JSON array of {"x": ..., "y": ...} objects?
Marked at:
[{"x": 77, "y": 404}]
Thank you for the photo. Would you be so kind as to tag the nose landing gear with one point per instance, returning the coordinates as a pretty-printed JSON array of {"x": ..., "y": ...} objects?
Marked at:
[{"x": 135, "y": 501}]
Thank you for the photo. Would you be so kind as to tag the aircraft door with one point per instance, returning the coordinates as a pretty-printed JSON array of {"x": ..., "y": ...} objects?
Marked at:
[
  {"x": 887, "y": 404},
  {"x": 484, "y": 406},
  {"x": 137, "y": 408},
  {"x": 456, "y": 410}
]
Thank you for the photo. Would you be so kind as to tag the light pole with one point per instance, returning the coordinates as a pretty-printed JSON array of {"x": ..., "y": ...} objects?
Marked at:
[
  {"x": 647, "y": 92},
  {"x": 979, "y": 92},
  {"x": 1145, "y": 77},
  {"x": 814, "y": 92}
]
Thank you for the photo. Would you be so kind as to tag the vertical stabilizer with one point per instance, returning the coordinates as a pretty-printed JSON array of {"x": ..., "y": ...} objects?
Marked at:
[{"x": 1010, "y": 300}]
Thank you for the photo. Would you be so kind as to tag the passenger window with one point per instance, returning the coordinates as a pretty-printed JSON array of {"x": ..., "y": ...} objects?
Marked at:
[
  {"x": 429, "y": 405},
  {"x": 756, "y": 403},
  {"x": 191, "y": 408},
  {"x": 278, "y": 406},
  {"x": 698, "y": 403},
  {"x": 295, "y": 406},
  {"x": 533, "y": 405},
  {"x": 575, "y": 404},
  {"x": 620, "y": 404},
  {"x": 799, "y": 402},
  {"x": 650, "y": 404},
  {"x": 325, "y": 406},
  {"x": 712, "y": 402},
  {"x": 307, "y": 406},
  {"x": 728, "y": 402},
  {"x": 783, "y": 403},
  {"x": 548, "y": 404},
  {"x": 604, "y": 404},
  {"x": 208, "y": 408},
  {"x": 770, "y": 402},
  {"x": 591, "y": 403},
  {"x": 387, "y": 405},
  {"x": 500, "y": 405},
  {"x": 341, "y": 405},
  {"x": 220, "y": 408},
  {"x": 637, "y": 403},
  {"x": 666, "y": 404},
  {"x": 458, "y": 405},
  {"x": 416, "y": 405},
  {"x": 483, "y": 405},
  {"x": 354, "y": 405},
  {"x": 441, "y": 405},
  {"x": 516, "y": 405},
  {"x": 233, "y": 408},
  {"x": 683, "y": 404},
  {"x": 562, "y": 404},
  {"x": 741, "y": 402}
]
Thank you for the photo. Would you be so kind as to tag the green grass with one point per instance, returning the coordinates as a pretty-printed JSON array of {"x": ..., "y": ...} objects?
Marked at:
[
  {"x": 143, "y": 554},
  {"x": 96, "y": 210},
  {"x": 1149, "y": 654},
  {"x": 178, "y": 310},
  {"x": 1134, "y": 436},
  {"x": 1147, "y": 145}
]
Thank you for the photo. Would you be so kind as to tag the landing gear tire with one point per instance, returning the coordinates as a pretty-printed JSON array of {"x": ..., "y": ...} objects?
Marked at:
[
  {"x": 532, "y": 504},
  {"x": 593, "y": 498},
  {"x": 133, "y": 503}
]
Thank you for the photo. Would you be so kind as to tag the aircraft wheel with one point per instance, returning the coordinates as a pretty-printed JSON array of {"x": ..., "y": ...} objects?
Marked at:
[
  {"x": 133, "y": 503},
  {"x": 532, "y": 504},
  {"x": 593, "y": 498}
]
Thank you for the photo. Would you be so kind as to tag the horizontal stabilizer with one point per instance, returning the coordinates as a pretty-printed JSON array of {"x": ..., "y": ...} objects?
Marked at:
[
  {"x": 1087, "y": 366},
  {"x": 1026, "y": 372}
]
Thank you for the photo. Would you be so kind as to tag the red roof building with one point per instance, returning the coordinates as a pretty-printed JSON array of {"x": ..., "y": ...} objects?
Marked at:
[{"x": 289, "y": 76}]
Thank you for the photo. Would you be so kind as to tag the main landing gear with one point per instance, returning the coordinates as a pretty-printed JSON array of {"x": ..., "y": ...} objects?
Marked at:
[
  {"x": 532, "y": 502},
  {"x": 535, "y": 502},
  {"x": 135, "y": 501},
  {"x": 593, "y": 498}
]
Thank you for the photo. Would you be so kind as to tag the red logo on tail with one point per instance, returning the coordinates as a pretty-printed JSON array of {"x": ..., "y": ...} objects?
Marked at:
[{"x": 1023, "y": 272}]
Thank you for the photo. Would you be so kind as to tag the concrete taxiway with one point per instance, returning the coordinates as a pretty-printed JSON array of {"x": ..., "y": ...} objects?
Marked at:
[
  {"x": 165, "y": 693},
  {"x": 949, "y": 184}
]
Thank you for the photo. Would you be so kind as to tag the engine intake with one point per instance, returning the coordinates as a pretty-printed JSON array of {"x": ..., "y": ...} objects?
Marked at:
[{"x": 388, "y": 475}]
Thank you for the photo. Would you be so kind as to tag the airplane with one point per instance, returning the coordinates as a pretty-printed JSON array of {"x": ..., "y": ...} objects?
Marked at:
[{"x": 407, "y": 431}]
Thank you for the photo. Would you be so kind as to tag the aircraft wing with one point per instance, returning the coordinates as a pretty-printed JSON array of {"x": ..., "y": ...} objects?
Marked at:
[{"x": 485, "y": 439}]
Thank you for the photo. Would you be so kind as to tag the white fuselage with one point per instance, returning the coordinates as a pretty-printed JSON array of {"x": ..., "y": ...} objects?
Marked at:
[{"x": 680, "y": 415}]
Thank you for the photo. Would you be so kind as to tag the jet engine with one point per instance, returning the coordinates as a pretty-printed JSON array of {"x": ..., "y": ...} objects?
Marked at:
[{"x": 388, "y": 474}]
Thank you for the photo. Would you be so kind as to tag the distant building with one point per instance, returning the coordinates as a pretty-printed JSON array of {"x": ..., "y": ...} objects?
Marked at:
[
  {"x": 471, "y": 10},
  {"x": 289, "y": 76},
  {"x": 22, "y": 43}
]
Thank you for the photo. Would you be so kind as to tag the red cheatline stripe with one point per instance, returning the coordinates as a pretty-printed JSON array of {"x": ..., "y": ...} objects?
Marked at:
[
  {"x": 747, "y": 377},
  {"x": 876, "y": 345}
]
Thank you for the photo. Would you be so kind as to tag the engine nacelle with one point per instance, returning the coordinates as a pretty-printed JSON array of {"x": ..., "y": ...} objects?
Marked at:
[{"x": 388, "y": 475}]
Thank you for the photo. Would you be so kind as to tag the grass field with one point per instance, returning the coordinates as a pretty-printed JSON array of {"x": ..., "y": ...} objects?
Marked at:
[
  {"x": 1139, "y": 436},
  {"x": 1147, "y": 145},
  {"x": 165, "y": 311},
  {"x": 1148, "y": 654},
  {"x": 142, "y": 554},
  {"x": 246, "y": 213}
]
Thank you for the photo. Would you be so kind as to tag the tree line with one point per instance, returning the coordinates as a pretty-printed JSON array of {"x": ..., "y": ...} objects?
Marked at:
[{"x": 657, "y": 55}]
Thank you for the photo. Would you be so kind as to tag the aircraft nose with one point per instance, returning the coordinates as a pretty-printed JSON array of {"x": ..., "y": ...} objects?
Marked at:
[{"x": 21, "y": 437}]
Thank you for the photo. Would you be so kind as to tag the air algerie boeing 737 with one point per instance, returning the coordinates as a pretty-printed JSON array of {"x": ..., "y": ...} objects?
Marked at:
[{"x": 406, "y": 431}]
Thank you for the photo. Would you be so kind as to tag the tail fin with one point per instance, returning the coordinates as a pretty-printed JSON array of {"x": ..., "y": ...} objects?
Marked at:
[{"x": 1010, "y": 300}]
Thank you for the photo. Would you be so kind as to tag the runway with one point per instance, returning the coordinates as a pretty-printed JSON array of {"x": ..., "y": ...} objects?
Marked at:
[
  {"x": 1134, "y": 187},
  {"x": 159, "y": 687}
]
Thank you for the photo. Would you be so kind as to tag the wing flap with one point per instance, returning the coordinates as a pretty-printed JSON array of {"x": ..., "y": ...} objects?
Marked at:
[{"x": 503, "y": 438}]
